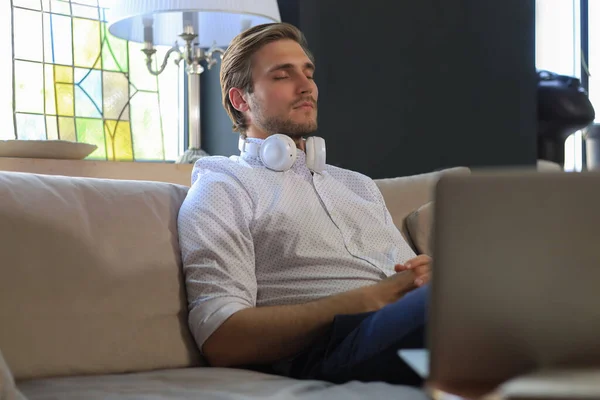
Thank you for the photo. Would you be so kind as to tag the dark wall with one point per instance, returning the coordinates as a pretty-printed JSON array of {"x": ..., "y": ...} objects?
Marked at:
[
  {"x": 217, "y": 135},
  {"x": 408, "y": 87}
]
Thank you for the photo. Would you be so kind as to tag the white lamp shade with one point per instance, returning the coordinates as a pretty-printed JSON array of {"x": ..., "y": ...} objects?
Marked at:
[{"x": 214, "y": 21}]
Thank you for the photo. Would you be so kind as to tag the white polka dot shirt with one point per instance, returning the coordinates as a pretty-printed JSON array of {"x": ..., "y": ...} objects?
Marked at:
[{"x": 251, "y": 236}]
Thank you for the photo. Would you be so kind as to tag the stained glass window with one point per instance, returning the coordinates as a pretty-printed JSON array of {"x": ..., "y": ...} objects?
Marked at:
[{"x": 70, "y": 79}]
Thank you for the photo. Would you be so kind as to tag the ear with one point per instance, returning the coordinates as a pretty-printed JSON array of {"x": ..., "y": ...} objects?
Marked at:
[{"x": 236, "y": 97}]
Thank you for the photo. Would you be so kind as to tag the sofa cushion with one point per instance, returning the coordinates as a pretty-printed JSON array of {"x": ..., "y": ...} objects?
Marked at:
[
  {"x": 419, "y": 224},
  {"x": 91, "y": 280},
  {"x": 405, "y": 194},
  {"x": 208, "y": 384}
]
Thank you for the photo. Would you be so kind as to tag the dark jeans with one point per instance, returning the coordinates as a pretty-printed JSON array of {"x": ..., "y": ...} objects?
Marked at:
[{"x": 364, "y": 346}]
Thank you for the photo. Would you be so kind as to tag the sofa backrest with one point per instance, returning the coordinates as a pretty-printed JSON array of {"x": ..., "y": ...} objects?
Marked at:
[
  {"x": 403, "y": 195},
  {"x": 90, "y": 276}
]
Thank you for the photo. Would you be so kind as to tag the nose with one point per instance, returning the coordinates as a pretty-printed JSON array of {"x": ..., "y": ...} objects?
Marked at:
[{"x": 306, "y": 86}]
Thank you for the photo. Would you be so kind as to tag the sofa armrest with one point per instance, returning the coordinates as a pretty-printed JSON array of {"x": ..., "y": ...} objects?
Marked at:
[{"x": 8, "y": 389}]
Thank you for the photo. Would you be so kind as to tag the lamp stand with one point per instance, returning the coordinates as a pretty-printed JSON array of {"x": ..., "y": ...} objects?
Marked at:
[
  {"x": 193, "y": 55},
  {"x": 194, "y": 151}
]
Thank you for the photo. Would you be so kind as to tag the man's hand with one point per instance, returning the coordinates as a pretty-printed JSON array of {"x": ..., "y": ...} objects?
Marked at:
[{"x": 421, "y": 267}]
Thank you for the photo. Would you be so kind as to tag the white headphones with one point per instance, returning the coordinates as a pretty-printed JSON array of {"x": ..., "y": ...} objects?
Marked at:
[{"x": 278, "y": 152}]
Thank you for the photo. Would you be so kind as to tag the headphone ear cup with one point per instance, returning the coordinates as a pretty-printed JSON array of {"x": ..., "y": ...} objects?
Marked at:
[
  {"x": 315, "y": 154},
  {"x": 278, "y": 152},
  {"x": 309, "y": 146}
]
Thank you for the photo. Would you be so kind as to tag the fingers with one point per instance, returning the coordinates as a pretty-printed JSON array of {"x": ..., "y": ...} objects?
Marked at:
[
  {"x": 422, "y": 280},
  {"x": 423, "y": 274},
  {"x": 419, "y": 260},
  {"x": 400, "y": 268}
]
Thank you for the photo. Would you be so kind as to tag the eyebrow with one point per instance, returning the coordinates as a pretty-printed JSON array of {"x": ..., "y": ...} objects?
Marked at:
[{"x": 279, "y": 67}]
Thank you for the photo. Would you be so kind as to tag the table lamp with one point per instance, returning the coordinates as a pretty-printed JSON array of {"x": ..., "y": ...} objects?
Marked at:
[{"x": 205, "y": 26}]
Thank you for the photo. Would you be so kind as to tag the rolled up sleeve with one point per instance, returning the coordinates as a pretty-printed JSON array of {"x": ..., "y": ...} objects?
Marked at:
[{"x": 214, "y": 225}]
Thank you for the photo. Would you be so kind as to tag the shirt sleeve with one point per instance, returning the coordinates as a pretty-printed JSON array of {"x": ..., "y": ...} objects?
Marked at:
[{"x": 217, "y": 252}]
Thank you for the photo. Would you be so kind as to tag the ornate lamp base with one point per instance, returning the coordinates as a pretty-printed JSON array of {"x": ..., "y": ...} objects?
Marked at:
[{"x": 191, "y": 156}]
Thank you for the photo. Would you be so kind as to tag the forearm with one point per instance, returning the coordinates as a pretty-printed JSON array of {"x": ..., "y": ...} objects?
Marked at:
[{"x": 266, "y": 334}]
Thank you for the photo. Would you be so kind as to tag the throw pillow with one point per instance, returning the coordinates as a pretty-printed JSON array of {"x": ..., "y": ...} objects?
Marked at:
[{"x": 420, "y": 225}]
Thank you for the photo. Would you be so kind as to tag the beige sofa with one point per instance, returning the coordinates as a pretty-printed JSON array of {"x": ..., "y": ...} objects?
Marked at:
[{"x": 92, "y": 300}]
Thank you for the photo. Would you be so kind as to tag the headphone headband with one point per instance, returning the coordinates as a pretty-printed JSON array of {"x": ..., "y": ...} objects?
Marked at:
[{"x": 248, "y": 147}]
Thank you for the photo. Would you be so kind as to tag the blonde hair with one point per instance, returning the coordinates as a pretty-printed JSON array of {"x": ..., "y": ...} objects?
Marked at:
[{"x": 236, "y": 66}]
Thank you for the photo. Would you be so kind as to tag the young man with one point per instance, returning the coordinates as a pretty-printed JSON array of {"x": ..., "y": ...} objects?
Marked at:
[{"x": 294, "y": 265}]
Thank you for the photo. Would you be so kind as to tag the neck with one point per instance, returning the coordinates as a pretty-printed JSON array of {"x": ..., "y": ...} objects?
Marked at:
[{"x": 256, "y": 133}]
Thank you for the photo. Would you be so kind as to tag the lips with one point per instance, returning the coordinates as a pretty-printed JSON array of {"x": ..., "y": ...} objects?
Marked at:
[{"x": 306, "y": 104}]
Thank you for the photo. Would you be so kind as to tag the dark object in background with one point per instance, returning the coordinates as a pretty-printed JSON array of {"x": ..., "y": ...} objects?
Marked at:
[{"x": 563, "y": 108}]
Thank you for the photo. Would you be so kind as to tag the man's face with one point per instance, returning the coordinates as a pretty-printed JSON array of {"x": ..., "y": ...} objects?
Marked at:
[{"x": 285, "y": 95}]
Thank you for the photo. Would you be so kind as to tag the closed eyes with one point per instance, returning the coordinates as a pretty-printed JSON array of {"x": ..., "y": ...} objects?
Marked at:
[{"x": 277, "y": 78}]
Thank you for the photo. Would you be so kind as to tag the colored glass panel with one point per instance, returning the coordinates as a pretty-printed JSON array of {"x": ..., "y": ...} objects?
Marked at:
[
  {"x": 116, "y": 95},
  {"x": 85, "y": 107},
  {"x": 103, "y": 17},
  {"x": 31, "y": 4},
  {"x": 31, "y": 126},
  {"x": 29, "y": 87},
  {"x": 85, "y": 11},
  {"x": 66, "y": 129},
  {"x": 147, "y": 129},
  {"x": 60, "y": 7},
  {"x": 118, "y": 140},
  {"x": 91, "y": 130},
  {"x": 114, "y": 52},
  {"x": 64, "y": 99},
  {"x": 58, "y": 48},
  {"x": 88, "y": 93},
  {"x": 49, "y": 94},
  {"x": 86, "y": 42},
  {"x": 28, "y": 35},
  {"x": 51, "y": 127},
  {"x": 98, "y": 64},
  {"x": 63, "y": 74}
]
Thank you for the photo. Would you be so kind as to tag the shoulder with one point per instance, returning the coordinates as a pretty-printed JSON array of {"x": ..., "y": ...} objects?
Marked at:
[
  {"x": 216, "y": 178},
  {"x": 359, "y": 183},
  {"x": 216, "y": 165},
  {"x": 349, "y": 176}
]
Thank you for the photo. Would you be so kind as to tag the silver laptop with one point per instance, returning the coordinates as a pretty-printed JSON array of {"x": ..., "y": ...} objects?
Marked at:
[{"x": 516, "y": 282}]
